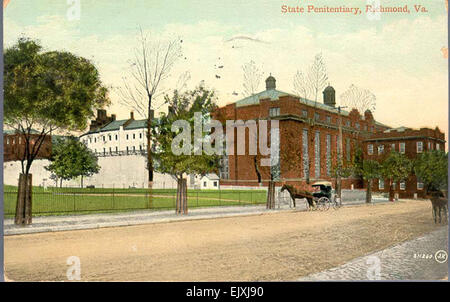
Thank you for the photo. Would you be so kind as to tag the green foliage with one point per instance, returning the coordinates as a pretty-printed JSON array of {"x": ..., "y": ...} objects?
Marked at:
[
  {"x": 71, "y": 158},
  {"x": 358, "y": 162},
  {"x": 431, "y": 168},
  {"x": 396, "y": 167},
  {"x": 183, "y": 107},
  {"x": 370, "y": 169},
  {"x": 49, "y": 89}
]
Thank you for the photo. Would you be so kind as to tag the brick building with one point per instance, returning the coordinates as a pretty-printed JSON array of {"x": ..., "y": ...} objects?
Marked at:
[
  {"x": 411, "y": 142},
  {"x": 308, "y": 130},
  {"x": 14, "y": 145}
]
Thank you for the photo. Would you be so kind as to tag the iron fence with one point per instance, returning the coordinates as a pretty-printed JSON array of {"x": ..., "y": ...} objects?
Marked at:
[{"x": 72, "y": 200}]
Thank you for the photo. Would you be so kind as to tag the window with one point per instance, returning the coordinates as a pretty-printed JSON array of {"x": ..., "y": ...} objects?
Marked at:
[
  {"x": 316, "y": 116},
  {"x": 104, "y": 150},
  {"x": 392, "y": 147},
  {"x": 328, "y": 155},
  {"x": 328, "y": 119},
  {"x": 380, "y": 184},
  {"x": 117, "y": 149},
  {"x": 347, "y": 123},
  {"x": 134, "y": 136},
  {"x": 305, "y": 153},
  {"x": 127, "y": 136},
  {"x": 419, "y": 147},
  {"x": 370, "y": 149},
  {"x": 305, "y": 113},
  {"x": 438, "y": 147},
  {"x": 117, "y": 137},
  {"x": 274, "y": 112},
  {"x": 380, "y": 149},
  {"x": 429, "y": 145},
  {"x": 224, "y": 167},
  {"x": 110, "y": 137},
  {"x": 134, "y": 148},
  {"x": 140, "y": 135},
  {"x": 357, "y": 126},
  {"x": 104, "y": 138},
  {"x": 127, "y": 149},
  {"x": 419, "y": 185},
  {"x": 317, "y": 154},
  {"x": 215, "y": 184},
  {"x": 394, "y": 184},
  {"x": 365, "y": 127},
  {"x": 95, "y": 140},
  {"x": 347, "y": 149},
  {"x": 204, "y": 183},
  {"x": 110, "y": 149},
  {"x": 402, "y": 185},
  {"x": 402, "y": 147}
]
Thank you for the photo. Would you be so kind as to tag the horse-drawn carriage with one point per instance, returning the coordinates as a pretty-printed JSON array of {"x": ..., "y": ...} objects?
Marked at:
[{"x": 322, "y": 198}]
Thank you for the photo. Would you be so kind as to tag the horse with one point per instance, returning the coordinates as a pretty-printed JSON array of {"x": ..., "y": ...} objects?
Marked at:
[
  {"x": 299, "y": 194},
  {"x": 440, "y": 206}
]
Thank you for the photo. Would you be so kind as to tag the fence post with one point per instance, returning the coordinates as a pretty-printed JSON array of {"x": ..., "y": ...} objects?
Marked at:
[
  {"x": 239, "y": 194},
  {"x": 74, "y": 203},
  {"x": 251, "y": 197},
  {"x": 112, "y": 208},
  {"x": 197, "y": 199}
]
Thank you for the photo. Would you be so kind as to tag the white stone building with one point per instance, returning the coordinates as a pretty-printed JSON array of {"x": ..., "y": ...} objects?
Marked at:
[{"x": 121, "y": 148}]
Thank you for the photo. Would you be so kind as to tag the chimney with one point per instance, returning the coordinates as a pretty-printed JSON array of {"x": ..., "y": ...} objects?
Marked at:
[
  {"x": 329, "y": 96},
  {"x": 132, "y": 115},
  {"x": 113, "y": 117},
  {"x": 270, "y": 83}
]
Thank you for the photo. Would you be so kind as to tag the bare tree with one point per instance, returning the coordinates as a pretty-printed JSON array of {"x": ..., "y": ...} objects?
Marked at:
[
  {"x": 302, "y": 86},
  {"x": 252, "y": 78},
  {"x": 151, "y": 65},
  {"x": 317, "y": 76},
  {"x": 361, "y": 99}
]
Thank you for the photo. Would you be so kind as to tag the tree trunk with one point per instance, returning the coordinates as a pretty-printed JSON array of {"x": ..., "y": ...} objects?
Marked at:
[
  {"x": 181, "y": 201},
  {"x": 369, "y": 191},
  {"x": 60, "y": 183},
  {"x": 391, "y": 191},
  {"x": 24, "y": 200},
  {"x": 271, "y": 195},
  {"x": 82, "y": 181}
]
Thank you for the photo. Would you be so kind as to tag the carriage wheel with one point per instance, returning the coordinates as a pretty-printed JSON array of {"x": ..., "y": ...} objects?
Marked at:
[{"x": 323, "y": 203}]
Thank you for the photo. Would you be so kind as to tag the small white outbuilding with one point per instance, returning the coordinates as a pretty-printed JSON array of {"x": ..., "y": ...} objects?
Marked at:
[{"x": 209, "y": 181}]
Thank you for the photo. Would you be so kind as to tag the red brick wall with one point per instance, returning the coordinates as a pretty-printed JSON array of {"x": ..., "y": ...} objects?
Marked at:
[{"x": 14, "y": 146}]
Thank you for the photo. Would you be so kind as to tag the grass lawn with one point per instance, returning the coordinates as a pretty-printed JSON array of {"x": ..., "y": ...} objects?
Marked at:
[{"x": 56, "y": 201}]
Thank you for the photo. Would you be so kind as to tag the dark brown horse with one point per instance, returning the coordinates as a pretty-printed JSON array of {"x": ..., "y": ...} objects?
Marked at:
[
  {"x": 299, "y": 194},
  {"x": 440, "y": 206}
]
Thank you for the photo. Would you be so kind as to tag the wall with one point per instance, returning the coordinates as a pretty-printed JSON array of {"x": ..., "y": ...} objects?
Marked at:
[{"x": 116, "y": 171}]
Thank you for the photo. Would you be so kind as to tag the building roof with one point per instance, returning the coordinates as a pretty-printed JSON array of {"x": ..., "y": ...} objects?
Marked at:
[
  {"x": 13, "y": 131},
  {"x": 274, "y": 95},
  {"x": 211, "y": 176},
  {"x": 115, "y": 126}
]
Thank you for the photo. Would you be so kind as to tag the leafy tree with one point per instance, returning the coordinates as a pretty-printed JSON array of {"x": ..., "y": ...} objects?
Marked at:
[
  {"x": 71, "y": 159},
  {"x": 46, "y": 92},
  {"x": 370, "y": 170},
  {"x": 396, "y": 167},
  {"x": 185, "y": 109},
  {"x": 431, "y": 168}
]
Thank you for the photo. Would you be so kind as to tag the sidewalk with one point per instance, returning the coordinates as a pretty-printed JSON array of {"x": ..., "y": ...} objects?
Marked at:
[{"x": 93, "y": 221}]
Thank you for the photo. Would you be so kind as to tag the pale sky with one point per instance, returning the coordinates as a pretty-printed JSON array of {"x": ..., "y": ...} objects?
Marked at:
[{"x": 398, "y": 57}]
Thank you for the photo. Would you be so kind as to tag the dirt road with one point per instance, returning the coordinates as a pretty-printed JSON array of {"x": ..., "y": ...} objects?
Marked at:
[{"x": 277, "y": 246}]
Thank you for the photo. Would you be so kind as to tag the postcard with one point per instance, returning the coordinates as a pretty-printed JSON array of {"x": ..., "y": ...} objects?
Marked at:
[{"x": 192, "y": 141}]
